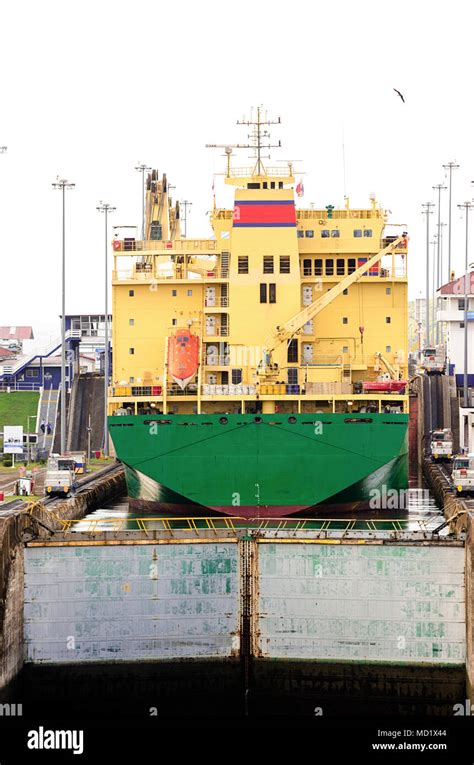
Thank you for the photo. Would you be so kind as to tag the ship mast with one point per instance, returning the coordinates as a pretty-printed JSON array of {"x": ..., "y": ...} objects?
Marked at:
[{"x": 259, "y": 139}]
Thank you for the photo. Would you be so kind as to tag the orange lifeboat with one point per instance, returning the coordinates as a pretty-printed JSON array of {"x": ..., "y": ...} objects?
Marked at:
[{"x": 183, "y": 356}]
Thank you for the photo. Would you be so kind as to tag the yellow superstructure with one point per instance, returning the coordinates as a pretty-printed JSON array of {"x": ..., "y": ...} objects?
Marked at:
[{"x": 242, "y": 291}]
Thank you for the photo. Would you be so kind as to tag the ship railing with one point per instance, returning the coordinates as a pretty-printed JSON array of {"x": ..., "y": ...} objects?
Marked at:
[
  {"x": 218, "y": 302},
  {"x": 217, "y": 331},
  {"x": 247, "y": 172},
  {"x": 175, "y": 390},
  {"x": 177, "y": 272},
  {"x": 129, "y": 246},
  {"x": 216, "y": 360},
  {"x": 337, "y": 214}
]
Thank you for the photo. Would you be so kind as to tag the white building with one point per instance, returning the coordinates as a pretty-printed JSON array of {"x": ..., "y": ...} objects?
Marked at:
[{"x": 451, "y": 312}]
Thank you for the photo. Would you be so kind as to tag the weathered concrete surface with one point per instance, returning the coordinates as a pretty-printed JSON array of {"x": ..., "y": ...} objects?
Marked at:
[
  {"x": 453, "y": 506},
  {"x": 470, "y": 608},
  {"x": 15, "y": 527}
]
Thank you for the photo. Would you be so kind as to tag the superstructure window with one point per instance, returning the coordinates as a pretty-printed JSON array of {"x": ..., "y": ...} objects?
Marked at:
[
  {"x": 318, "y": 267},
  {"x": 243, "y": 264},
  {"x": 357, "y": 232},
  {"x": 273, "y": 293},
  {"x": 340, "y": 267},
  {"x": 335, "y": 233},
  {"x": 284, "y": 264},
  {"x": 174, "y": 322},
  {"x": 190, "y": 293},
  {"x": 368, "y": 232},
  {"x": 131, "y": 322},
  {"x": 345, "y": 292},
  {"x": 329, "y": 267},
  {"x": 388, "y": 319},
  {"x": 268, "y": 264},
  {"x": 388, "y": 349},
  {"x": 263, "y": 293},
  {"x": 300, "y": 233},
  {"x": 131, "y": 351},
  {"x": 309, "y": 233},
  {"x": 307, "y": 267},
  {"x": 236, "y": 376},
  {"x": 325, "y": 233},
  {"x": 293, "y": 352},
  {"x": 345, "y": 349},
  {"x": 345, "y": 320},
  {"x": 388, "y": 290},
  {"x": 174, "y": 293},
  {"x": 351, "y": 265},
  {"x": 131, "y": 293},
  {"x": 293, "y": 376}
]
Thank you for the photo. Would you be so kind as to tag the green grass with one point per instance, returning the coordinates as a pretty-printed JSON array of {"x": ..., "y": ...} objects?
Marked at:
[{"x": 15, "y": 408}]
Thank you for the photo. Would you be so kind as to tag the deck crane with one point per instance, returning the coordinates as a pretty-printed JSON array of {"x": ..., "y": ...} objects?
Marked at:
[
  {"x": 394, "y": 375},
  {"x": 285, "y": 332}
]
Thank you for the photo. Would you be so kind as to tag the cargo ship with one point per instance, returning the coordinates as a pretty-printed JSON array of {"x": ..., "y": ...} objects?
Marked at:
[{"x": 260, "y": 372}]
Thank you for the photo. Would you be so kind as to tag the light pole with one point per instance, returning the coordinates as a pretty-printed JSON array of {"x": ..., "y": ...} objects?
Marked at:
[
  {"x": 434, "y": 244},
  {"x": 450, "y": 166},
  {"x": 3, "y": 149},
  {"x": 185, "y": 204},
  {"x": 427, "y": 211},
  {"x": 141, "y": 168},
  {"x": 63, "y": 184},
  {"x": 105, "y": 208},
  {"x": 439, "y": 188},
  {"x": 467, "y": 206}
]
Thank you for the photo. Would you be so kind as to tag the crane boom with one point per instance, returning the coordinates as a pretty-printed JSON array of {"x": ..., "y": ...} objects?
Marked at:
[
  {"x": 390, "y": 369},
  {"x": 292, "y": 326}
]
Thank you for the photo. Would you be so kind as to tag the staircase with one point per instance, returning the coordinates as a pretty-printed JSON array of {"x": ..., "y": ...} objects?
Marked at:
[{"x": 48, "y": 413}]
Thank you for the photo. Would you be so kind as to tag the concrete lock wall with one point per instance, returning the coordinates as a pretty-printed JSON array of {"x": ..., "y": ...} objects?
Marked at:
[
  {"x": 136, "y": 602},
  {"x": 361, "y": 602},
  {"x": 389, "y": 603}
]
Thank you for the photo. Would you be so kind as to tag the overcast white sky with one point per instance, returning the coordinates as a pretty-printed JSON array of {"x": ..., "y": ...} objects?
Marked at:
[{"x": 88, "y": 89}]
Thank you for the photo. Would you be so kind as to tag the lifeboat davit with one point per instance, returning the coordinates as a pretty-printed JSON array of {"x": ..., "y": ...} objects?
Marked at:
[
  {"x": 183, "y": 356},
  {"x": 385, "y": 386}
]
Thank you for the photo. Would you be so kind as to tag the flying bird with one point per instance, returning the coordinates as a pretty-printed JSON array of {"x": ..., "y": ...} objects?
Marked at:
[{"x": 399, "y": 94}]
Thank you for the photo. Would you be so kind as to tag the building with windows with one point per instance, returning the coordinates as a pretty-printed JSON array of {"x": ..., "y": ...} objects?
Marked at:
[{"x": 451, "y": 302}]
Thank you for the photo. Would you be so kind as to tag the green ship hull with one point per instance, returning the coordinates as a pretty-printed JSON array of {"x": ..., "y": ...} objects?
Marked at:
[{"x": 265, "y": 465}]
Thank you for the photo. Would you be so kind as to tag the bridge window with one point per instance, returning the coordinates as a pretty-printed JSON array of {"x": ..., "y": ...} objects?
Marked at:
[
  {"x": 340, "y": 267},
  {"x": 131, "y": 293},
  {"x": 307, "y": 267},
  {"x": 368, "y": 232},
  {"x": 309, "y": 233},
  {"x": 293, "y": 376},
  {"x": 329, "y": 267},
  {"x": 268, "y": 264},
  {"x": 357, "y": 232},
  {"x": 325, "y": 233},
  {"x": 253, "y": 185},
  {"x": 263, "y": 293},
  {"x": 351, "y": 265},
  {"x": 236, "y": 376},
  {"x": 243, "y": 264},
  {"x": 318, "y": 267},
  {"x": 335, "y": 233},
  {"x": 293, "y": 352},
  {"x": 300, "y": 233},
  {"x": 272, "y": 293},
  {"x": 284, "y": 264}
]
